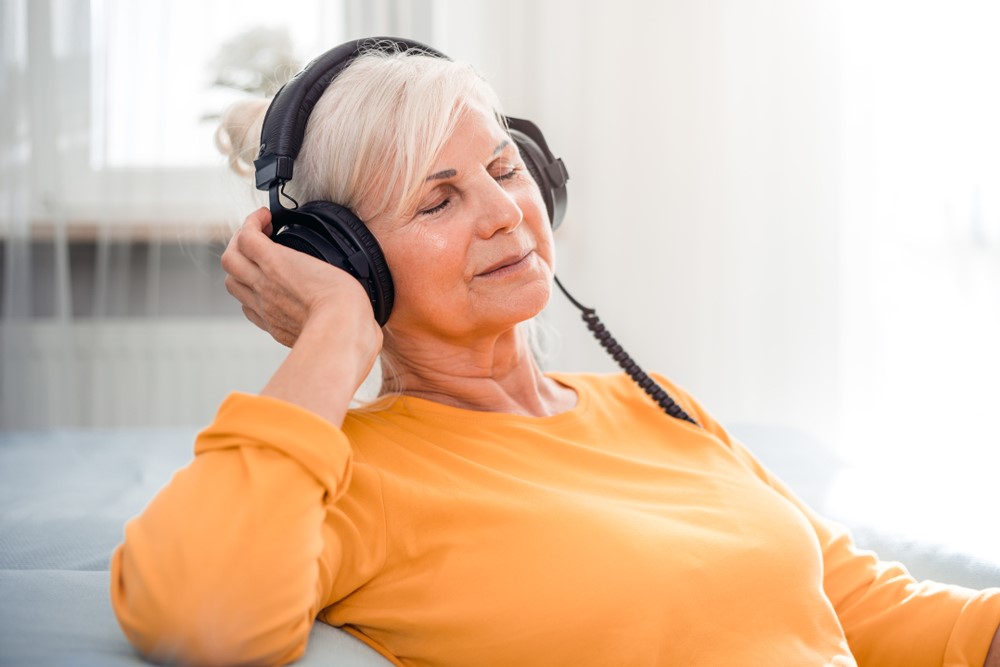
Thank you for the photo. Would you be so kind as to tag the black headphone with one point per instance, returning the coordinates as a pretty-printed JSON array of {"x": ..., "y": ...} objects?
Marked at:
[{"x": 333, "y": 233}]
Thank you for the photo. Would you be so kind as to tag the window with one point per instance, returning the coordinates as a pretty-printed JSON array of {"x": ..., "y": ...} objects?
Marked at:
[
  {"x": 129, "y": 94},
  {"x": 921, "y": 261}
]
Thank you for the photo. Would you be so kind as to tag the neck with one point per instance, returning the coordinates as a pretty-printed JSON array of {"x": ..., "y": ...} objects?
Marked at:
[{"x": 498, "y": 374}]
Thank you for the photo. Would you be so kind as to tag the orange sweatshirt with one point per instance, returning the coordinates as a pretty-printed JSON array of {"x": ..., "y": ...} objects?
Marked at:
[{"x": 610, "y": 534}]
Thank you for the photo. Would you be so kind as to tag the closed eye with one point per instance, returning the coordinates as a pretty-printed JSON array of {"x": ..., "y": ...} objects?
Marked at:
[
  {"x": 436, "y": 209},
  {"x": 507, "y": 175}
]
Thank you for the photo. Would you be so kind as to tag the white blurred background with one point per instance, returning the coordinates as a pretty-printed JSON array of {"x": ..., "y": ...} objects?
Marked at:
[{"x": 791, "y": 208}]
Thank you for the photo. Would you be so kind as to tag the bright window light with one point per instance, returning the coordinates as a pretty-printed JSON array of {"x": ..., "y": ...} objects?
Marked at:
[{"x": 163, "y": 70}]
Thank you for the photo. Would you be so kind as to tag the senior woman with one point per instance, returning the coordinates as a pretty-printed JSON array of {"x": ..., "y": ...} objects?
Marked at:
[{"x": 482, "y": 512}]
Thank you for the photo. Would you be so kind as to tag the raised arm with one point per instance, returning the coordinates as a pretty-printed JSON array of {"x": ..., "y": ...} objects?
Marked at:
[
  {"x": 319, "y": 311},
  {"x": 230, "y": 563}
]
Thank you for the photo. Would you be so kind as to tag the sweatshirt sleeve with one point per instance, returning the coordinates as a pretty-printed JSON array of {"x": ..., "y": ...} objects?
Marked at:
[
  {"x": 888, "y": 617},
  {"x": 229, "y": 563}
]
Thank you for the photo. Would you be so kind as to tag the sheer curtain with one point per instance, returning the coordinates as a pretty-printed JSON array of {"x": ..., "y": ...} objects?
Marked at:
[
  {"x": 115, "y": 205},
  {"x": 921, "y": 266}
]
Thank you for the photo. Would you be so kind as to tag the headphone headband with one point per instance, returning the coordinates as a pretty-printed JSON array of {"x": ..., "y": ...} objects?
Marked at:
[{"x": 285, "y": 121}]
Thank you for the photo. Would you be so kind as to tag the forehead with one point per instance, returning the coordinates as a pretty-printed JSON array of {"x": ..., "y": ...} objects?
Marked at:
[
  {"x": 477, "y": 131},
  {"x": 475, "y": 136}
]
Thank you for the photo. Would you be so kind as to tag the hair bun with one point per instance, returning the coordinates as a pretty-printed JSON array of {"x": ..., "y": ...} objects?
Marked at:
[{"x": 238, "y": 134}]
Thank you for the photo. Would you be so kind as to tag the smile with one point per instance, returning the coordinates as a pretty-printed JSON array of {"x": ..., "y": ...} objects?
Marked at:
[{"x": 508, "y": 266}]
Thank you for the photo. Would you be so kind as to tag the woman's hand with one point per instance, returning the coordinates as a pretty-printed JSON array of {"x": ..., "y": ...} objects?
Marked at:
[
  {"x": 280, "y": 288},
  {"x": 320, "y": 311}
]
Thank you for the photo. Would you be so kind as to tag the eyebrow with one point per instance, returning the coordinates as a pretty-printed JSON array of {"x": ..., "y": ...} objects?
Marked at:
[
  {"x": 447, "y": 173},
  {"x": 451, "y": 173}
]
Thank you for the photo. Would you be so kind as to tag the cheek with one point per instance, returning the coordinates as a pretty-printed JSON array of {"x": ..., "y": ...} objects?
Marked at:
[
  {"x": 543, "y": 228},
  {"x": 434, "y": 242},
  {"x": 424, "y": 263}
]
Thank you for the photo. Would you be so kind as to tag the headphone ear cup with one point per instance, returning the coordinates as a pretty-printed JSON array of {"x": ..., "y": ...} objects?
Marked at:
[
  {"x": 548, "y": 171},
  {"x": 335, "y": 235},
  {"x": 379, "y": 267},
  {"x": 532, "y": 166}
]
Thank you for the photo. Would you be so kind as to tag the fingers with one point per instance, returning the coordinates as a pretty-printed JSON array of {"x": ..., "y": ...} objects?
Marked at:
[
  {"x": 252, "y": 243},
  {"x": 274, "y": 309},
  {"x": 260, "y": 220},
  {"x": 279, "y": 334},
  {"x": 251, "y": 239},
  {"x": 240, "y": 290},
  {"x": 238, "y": 266},
  {"x": 248, "y": 248},
  {"x": 279, "y": 287},
  {"x": 283, "y": 336},
  {"x": 255, "y": 267},
  {"x": 270, "y": 303},
  {"x": 256, "y": 319}
]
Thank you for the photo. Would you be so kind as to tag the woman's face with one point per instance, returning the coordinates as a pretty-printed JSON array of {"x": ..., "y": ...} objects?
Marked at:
[{"x": 476, "y": 257}]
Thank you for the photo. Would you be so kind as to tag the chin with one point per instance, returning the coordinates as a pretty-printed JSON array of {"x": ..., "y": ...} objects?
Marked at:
[{"x": 525, "y": 303}]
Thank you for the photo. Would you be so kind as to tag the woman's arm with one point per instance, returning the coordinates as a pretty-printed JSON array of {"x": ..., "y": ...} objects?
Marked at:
[
  {"x": 887, "y": 616},
  {"x": 224, "y": 565},
  {"x": 890, "y": 618},
  {"x": 318, "y": 310},
  {"x": 230, "y": 563}
]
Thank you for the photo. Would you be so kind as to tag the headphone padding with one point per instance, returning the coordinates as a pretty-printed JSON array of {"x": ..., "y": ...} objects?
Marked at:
[
  {"x": 537, "y": 159},
  {"x": 343, "y": 219},
  {"x": 529, "y": 162},
  {"x": 334, "y": 234},
  {"x": 307, "y": 240}
]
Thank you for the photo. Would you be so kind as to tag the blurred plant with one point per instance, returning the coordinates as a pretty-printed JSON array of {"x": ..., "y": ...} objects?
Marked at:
[{"x": 257, "y": 61}]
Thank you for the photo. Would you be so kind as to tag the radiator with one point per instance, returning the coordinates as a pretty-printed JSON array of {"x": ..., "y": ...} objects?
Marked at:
[{"x": 128, "y": 372}]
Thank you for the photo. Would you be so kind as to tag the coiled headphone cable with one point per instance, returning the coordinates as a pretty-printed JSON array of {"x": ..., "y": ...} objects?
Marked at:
[{"x": 612, "y": 347}]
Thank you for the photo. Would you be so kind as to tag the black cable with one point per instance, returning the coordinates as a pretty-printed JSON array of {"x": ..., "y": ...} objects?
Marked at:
[
  {"x": 608, "y": 342},
  {"x": 289, "y": 197}
]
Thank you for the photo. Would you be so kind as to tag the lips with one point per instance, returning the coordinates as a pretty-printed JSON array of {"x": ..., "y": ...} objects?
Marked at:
[{"x": 508, "y": 260}]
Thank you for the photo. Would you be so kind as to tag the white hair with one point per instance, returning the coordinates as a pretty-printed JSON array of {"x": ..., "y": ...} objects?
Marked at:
[{"x": 373, "y": 135}]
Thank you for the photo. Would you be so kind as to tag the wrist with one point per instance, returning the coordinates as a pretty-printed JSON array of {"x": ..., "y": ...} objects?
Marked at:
[
  {"x": 329, "y": 361},
  {"x": 345, "y": 334}
]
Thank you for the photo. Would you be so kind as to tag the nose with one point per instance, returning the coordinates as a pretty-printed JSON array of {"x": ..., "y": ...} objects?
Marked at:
[{"x": 499, "y": 212}]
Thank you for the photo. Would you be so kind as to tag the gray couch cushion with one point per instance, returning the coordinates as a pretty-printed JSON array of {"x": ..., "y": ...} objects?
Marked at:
[{"x": 63, "y": 618}]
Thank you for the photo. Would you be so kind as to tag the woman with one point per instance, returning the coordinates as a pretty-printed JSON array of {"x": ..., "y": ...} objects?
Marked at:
[{"x": 484, "y": 512}]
